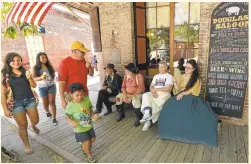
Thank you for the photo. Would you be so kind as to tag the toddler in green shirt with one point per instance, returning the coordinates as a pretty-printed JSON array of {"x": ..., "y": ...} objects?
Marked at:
[{"x": 79, "y": 115}]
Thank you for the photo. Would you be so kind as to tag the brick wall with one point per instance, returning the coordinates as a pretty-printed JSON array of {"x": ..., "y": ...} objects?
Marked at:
[
  {"x": 116, "y": 25},
  {"x": 18, "y": 45},
  {"x": 205, "y": 18},
  {"x": 61, "y": 29}
]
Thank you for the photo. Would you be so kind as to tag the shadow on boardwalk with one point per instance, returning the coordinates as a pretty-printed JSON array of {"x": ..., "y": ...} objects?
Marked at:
[{"x": 122, "y": 142}]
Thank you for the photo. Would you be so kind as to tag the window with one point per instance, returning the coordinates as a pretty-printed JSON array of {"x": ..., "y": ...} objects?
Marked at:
[
  {"x": 186, "y": 31},
  {"x": 158, "y": 27},
  {"x": 34, "y": 44},
  {"x": 165, "y": 31}
]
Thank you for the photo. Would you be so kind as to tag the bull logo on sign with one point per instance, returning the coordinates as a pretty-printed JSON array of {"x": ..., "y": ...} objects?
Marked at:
[{"x": 233, "y": 10}]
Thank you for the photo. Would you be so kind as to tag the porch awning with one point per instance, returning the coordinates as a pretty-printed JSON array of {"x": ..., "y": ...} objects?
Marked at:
[{"x": 28, "y": 12}]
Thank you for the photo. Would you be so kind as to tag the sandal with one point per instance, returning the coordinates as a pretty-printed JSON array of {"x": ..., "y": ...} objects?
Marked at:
[{"x": 28, "y": 152}]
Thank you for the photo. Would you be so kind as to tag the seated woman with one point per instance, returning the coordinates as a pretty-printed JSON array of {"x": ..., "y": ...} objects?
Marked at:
[
  {"x": 132, "y": 89},
  {"x": 153, "y": 101},
  {"x": 186, "y": 117}
]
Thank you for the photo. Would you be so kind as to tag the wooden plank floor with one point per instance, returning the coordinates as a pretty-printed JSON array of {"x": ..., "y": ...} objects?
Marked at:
[{"x": 121, "y": 142}]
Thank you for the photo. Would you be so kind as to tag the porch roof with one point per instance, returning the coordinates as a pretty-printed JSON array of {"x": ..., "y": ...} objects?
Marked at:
[{"x": 82, "y": 6}]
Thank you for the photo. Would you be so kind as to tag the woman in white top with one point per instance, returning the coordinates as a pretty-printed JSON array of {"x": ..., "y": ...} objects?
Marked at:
[
  {"x": 153, "y": 101},
  {"x": 44, "y": 74}
]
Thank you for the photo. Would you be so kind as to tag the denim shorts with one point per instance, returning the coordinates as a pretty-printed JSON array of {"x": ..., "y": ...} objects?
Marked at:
[
  {"x": 23, "y": 105},
  {"x": 84, "y": 136},
  {"x": 45, "y": 91}
]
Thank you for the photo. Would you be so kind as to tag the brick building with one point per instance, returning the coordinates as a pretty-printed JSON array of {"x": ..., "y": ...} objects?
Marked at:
[{"x": 125, "y": 29}]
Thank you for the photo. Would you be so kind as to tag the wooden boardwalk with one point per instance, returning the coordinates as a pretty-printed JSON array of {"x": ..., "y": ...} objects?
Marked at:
[{"x": 120, "y": 142}]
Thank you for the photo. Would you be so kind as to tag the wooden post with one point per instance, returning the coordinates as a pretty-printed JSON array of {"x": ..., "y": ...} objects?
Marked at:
[{"x": 171, "y": 41}]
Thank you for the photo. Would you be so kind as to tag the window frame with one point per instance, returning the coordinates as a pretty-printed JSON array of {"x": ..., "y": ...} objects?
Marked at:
[
  {"x": 171, "y": 34},
  {"x": 135, "y": 7},
  {"x": 156, "y": 29},
  {"x": 188, "y": 24}
]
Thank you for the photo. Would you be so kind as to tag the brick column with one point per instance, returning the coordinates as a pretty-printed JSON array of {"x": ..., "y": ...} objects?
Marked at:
[{"x": 116, "y": 25}]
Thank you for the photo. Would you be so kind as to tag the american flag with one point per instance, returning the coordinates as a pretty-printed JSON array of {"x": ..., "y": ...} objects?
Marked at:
[{"x": 28, "y": 12}]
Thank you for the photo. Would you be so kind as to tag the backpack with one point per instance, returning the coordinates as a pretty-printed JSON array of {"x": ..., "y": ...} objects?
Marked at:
[{"x": 9, "y": 93}]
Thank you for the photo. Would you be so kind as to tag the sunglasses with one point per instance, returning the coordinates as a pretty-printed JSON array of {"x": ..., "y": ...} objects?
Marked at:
[{"x": 188, "y": 68}]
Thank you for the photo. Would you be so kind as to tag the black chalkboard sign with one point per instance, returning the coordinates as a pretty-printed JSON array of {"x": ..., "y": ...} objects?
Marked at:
[{"x": 227, "y": 75}]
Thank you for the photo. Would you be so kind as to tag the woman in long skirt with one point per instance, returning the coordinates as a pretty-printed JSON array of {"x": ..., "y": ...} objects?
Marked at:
[{"x": 186, "y": 117}]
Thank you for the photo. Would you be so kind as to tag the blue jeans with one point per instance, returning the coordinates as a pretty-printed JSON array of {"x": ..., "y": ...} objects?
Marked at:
[
  {"x": 45, "y": 91},
  {"x": 23, "y": 105}
]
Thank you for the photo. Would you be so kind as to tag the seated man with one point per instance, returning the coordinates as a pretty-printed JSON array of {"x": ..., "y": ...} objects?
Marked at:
[
  {"x": 111, "y": 87},
  {"x": 132, "y": 89},
  {"x": 153, "y": 101}
]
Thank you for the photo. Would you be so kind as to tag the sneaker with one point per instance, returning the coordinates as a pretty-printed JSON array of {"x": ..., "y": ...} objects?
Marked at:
[
  {"x": 145, "y": 118},
  {"x": 146, "y": 126},
  {"x": 48, "y": 115},
  {"x": 54, "y": 122},
  {"x": 91, "y": 159}
]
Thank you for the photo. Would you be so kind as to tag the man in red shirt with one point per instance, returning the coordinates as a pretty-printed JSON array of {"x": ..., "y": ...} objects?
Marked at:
[{"x": 72, "y": 69}]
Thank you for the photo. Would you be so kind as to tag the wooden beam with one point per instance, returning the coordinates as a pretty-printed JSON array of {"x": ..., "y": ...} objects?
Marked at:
[
  {"x": 76, "y": 15},
  {"x": 77, "y": 6},
  {"x": 88, "y": 4}
]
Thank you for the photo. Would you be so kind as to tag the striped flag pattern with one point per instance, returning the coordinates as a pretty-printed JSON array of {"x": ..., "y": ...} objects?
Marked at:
[{"x": 28, "y": 12}]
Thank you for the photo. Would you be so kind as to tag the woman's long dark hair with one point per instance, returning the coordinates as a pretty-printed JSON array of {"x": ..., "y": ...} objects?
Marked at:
[
  {"x": 195, "y": 76},
  {"x": 38, "y": 65},
  {"x": 7, "y": 69}
]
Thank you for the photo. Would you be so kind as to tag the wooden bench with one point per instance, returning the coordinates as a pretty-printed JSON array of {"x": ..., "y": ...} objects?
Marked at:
[{"x": 148, "y": 81}]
